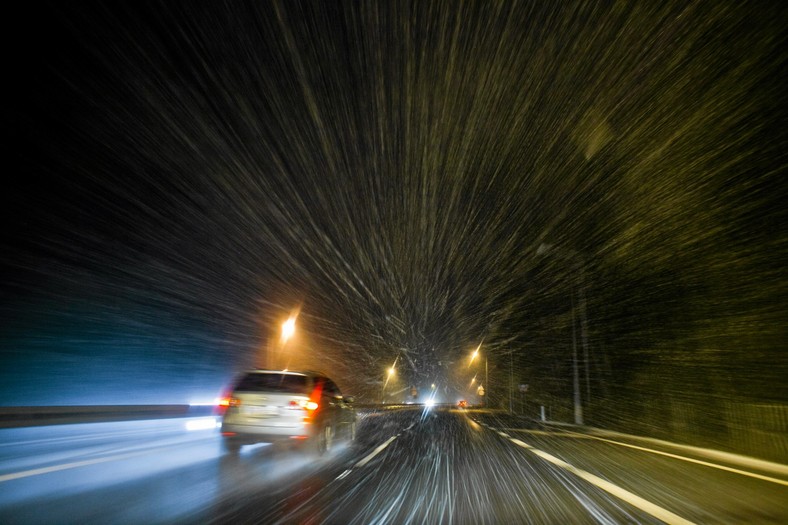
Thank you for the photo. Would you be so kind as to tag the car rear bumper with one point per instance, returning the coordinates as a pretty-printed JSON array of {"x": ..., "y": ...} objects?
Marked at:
[{"x": 266, "y": 433}]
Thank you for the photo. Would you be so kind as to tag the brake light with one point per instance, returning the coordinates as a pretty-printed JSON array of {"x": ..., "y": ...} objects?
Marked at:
[
  {"x": 226, "y": 402},
  {"x": 313, "y": 404},
  {"x": 305, "y": 404}
]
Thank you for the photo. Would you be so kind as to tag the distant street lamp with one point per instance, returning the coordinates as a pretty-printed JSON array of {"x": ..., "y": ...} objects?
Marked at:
[
  {"x": 484, "y": 389},
  {"x": 287, "y": 332},
  {"x": 390, "y": 373},
  {"x": 288, "y": 329},
  {"x": 579, "y": 262}
]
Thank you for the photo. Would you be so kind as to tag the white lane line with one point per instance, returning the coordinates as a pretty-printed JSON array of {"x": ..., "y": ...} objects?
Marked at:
[
  {"x": 711, "y": 454},
  {"x": 633, "y": 499},
  {"x": 375, "y": 452},
  {"x": 369, "y": 457},
  {"x": 697, "y": 461},
  {"x": 66, "y": 466},
  {"x": 522, "y": 444}
]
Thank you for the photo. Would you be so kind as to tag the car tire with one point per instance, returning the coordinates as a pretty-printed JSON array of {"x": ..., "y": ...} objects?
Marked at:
[{"x": 231, "y": 446}]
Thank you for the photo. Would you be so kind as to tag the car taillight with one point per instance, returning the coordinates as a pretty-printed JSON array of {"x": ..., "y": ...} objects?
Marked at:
[
  {"x": 306, "y": 404},
  {"x": 226, "y": 402},
  {"x": 312, "y": 404}
]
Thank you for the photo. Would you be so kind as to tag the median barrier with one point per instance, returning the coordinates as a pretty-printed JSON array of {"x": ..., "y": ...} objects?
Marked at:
[{"x": 14, "y": 417}]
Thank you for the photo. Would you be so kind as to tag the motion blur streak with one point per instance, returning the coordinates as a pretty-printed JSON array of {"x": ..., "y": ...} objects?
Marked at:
[
  {"x": 405, "y": 467},
  {"x": 569, "y": 214}
]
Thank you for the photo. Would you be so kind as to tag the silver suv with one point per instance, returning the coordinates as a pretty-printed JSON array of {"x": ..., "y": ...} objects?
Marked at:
[{"x": 277, "y": 405}]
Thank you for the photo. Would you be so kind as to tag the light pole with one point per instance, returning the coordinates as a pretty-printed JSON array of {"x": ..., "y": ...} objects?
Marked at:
[{"x": 579, "y": 262}]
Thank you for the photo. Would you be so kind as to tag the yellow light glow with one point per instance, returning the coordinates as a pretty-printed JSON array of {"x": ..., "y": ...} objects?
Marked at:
[{"x": 288, "y": 329}]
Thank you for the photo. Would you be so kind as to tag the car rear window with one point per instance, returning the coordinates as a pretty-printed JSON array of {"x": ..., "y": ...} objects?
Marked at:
[{"x": 286, "y": 383}]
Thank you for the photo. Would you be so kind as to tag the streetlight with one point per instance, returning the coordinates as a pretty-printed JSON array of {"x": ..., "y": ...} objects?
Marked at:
[
  {"x": 486, "y": 386},
  {"x": 288, "y": 329},
  {"x": 579, "y": 262},
  {"x": 287, "y": 332},
  {"x": 390, "y": 373}
]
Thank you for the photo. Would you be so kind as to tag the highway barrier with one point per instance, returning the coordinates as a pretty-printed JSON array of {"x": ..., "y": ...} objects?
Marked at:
[{"x": 11, "y": 417}]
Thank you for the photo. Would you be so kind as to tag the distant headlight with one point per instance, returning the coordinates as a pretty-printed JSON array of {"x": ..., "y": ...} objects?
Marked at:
[
  {"x": 429, "y": 403},
  {"x": 204, "y": 423}
]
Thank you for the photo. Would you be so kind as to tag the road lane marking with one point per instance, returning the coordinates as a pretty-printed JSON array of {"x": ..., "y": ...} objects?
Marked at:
[
  {"x": 521, "y": 443},
  {"x": 691, "y": 460},
  {"x": 375, "y": 452},
  {"x": 633, "y": 499},
  {"x": 727, "y": 457},
  {"x": 66, "y": 466}
]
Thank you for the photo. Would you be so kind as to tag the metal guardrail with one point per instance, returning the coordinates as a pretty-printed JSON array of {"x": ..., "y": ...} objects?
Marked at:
[{"x": 14, "y": 417}]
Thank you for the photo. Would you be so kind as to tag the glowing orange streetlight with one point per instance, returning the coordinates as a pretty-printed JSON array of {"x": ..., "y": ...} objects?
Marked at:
[
  {"x": 288, "y": 329},
  {"x": 391, "y": 372},
  {"x": 486, "y": 374},
  {"x": 287, "y": 332}
]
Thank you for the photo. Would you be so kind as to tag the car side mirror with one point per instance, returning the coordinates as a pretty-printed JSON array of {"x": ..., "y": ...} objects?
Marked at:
[{"x": 349, "y": 399}]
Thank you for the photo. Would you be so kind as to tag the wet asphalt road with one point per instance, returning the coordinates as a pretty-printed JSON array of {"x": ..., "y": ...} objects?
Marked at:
[{"x": 407, "y": 466}]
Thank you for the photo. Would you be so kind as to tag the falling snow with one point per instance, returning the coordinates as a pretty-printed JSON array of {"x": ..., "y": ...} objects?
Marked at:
[{"x": 186, "y": 176}]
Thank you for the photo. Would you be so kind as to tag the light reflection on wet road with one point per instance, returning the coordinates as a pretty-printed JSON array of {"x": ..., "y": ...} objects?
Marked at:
[{"x": 410, "y": 465}]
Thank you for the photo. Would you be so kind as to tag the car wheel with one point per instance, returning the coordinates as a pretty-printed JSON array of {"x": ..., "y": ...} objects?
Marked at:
[{"x": 231, "y": 446}]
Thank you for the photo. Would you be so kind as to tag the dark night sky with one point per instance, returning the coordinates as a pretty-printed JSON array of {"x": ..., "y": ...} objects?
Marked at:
[{"x": 183, "y": 176}]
